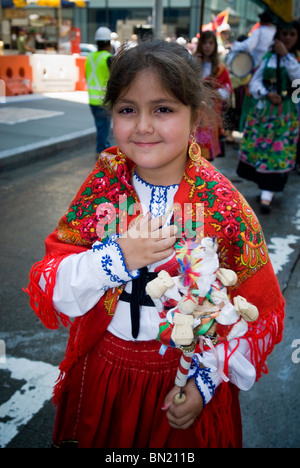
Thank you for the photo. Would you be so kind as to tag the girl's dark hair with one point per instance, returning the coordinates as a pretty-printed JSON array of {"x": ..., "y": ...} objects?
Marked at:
[
  {"x": 266, "y": 18},
  {"x": 215, "y": 61},
  {"x": 178, "y": 70},
  {"x": 296, "y": 25}
]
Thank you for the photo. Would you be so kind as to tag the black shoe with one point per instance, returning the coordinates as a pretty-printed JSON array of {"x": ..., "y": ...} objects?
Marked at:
[{"x": 265, "y": 208}]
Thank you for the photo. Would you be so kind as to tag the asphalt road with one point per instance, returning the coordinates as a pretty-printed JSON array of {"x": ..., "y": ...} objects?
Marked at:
[{"x": 33, "y": 198}]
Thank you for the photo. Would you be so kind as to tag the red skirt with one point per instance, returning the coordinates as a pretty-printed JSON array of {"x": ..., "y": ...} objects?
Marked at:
[{"x": 114, "y": 399}]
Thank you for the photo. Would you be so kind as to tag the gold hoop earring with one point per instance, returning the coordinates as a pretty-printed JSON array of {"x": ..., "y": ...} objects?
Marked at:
[
  {"x": 194, "y": 150},
  {"x": 119, "y": 153}
]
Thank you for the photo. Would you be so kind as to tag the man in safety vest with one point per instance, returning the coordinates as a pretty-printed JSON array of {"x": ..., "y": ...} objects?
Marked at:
[{"x": 97, "y": 75}]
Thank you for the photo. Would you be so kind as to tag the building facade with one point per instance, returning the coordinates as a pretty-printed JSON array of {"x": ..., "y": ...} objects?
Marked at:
[{"x": 180, "y": 17}]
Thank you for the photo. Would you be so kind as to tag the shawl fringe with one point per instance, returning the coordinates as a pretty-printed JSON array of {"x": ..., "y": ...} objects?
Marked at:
[
  {"x": 41, "y": 301},
  {"x": 263, "y": 336}
]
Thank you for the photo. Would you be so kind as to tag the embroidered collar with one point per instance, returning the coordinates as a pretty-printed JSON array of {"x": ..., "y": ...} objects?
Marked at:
[
  {"x": 155, "y": 198},
  {"x": 138, "y": 178}
]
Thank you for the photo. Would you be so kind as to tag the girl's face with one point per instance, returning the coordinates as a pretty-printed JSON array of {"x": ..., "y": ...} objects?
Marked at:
[
  {"x": 289, "y": 38},
  {"x": 208, "y": 47},
  {"x": 152, "y": 128}
]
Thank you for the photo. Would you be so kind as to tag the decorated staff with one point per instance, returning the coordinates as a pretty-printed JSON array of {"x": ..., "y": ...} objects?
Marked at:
[
  {"x": 195, "y": 306},
  {"x": 182, "y": 375}
]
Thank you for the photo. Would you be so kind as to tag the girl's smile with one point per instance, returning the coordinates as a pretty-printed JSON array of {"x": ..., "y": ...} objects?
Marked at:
[{"x": 152, "y": 128}]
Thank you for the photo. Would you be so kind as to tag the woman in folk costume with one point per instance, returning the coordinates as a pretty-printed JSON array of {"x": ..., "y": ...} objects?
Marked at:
[
  {"x": 271, "y": 132},
  {"x": 216, "y": 75},
  {"x": 115, "y": 388}
]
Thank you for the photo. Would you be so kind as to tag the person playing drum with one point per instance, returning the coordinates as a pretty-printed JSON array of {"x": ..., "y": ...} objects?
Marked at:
[{"x": 259, "y": 42}]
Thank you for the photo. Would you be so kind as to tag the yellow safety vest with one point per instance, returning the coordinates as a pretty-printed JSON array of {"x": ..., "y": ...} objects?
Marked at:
[{"x": 97, "y": 76}]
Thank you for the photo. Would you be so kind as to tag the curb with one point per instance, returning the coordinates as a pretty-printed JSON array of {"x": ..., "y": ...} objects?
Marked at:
[{"x": 27, "y": 154}]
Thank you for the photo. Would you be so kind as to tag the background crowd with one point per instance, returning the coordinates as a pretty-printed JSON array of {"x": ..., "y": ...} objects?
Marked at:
[{"x": 253, "y": 78}]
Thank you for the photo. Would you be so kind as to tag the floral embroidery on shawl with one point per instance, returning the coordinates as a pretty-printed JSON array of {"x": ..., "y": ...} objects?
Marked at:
[
  {"x": 227, "y": 216},
  {"x": 110, "y": 180}
]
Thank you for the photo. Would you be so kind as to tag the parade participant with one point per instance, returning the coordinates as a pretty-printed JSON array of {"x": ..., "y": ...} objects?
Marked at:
[
  {"x": 271, "y": 132},
  {"x": 97, "y": 67},
  {"x": 260, "y": 41},
  {"x": 217, "y": 76},
  {"x": 115, "y": 43},
  {"x": 256, "y": 45},
  {"x": 115, "y": 388},
  {"x": 224, "y": 45},
  {"x": 24, "y": 42}
]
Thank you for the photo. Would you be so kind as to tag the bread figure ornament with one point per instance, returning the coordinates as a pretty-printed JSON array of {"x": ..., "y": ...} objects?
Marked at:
[
  {"x": 195, "y": 304},
  {"x": 157, "y": 287}
]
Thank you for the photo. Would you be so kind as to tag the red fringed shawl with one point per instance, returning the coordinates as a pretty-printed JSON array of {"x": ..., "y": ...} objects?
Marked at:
[{"x": 227, "y": 217}]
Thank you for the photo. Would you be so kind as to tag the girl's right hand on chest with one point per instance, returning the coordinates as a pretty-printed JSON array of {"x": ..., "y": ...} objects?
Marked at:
[{"x": 147, "y": 242}]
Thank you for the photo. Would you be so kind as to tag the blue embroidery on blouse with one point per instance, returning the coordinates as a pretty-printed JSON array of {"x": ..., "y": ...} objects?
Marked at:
[
  {"x": 106, "y": 263},
  {"x": 202, "y": 377},
  {"x": 158, "y": 201},
  {"x": 159, "y": 194},
  {"x": 106, "y": 260},
  {"x": 150, "y": 185}
]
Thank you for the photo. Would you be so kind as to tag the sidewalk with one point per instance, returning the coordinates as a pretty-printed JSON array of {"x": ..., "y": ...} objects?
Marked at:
[{"x": 34, "y": 126}]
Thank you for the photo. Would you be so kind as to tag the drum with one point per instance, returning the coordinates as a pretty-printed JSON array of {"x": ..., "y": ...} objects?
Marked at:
[{"x": 240, "y": 64}]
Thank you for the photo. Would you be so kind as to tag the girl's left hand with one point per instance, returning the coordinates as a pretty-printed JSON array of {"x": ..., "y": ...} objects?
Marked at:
[{"x": 183, "y": 416}]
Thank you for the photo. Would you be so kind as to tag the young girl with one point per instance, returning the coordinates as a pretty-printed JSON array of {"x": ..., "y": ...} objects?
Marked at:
[
  {"x": 217, "y": 76},
  {"x": 271, "y": 132},
  {"x": 115, "y": 388}
]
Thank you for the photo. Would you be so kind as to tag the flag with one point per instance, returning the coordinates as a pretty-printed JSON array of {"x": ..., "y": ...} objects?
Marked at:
[
  {"x": 255, "y": 27},
  {"x": 221, "y": 18},
  {"x": 283, "y": 9},
  {"x": 217, "y": 21}
]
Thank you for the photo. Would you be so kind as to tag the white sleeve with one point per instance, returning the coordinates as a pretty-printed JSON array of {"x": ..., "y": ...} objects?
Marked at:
[
  {"x": 248, "y": 45},
  {"x": 83, "y": 278},
  {"x": 292, "y": 66},
  {"x": 240, "y": 370},
  {"x": 207, "y": 379},
  {"x": 256, "y": 86},
  {"x": 224, "y": 93}
]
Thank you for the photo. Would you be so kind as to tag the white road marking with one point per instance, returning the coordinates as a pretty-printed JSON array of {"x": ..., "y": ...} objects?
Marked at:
[
  {"x": 16, "y": 115},
  {"x": 297, "y": 220},
  {"x": 280, "y": 250},
  {"x": 26, "y": 402}
]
